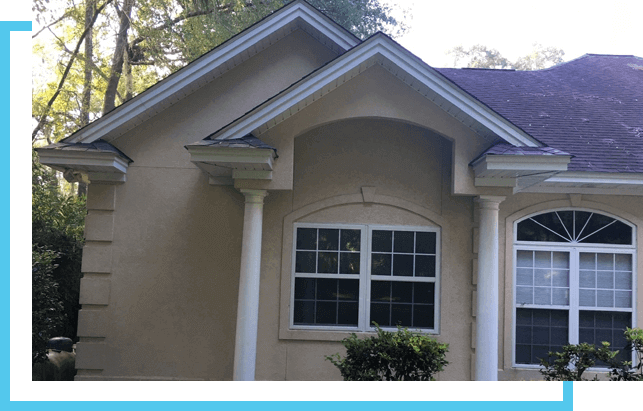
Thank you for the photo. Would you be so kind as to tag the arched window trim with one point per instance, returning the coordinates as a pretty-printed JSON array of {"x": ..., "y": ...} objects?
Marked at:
[{"x": 574, "y": 244}]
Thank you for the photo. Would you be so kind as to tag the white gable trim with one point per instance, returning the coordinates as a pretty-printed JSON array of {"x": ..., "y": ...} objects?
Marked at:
[
  {"x": 297, "y": 15},
  {"x": 381, "y": 50}
]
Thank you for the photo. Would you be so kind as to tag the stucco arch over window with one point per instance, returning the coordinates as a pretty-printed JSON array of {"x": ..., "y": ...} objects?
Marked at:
[
  {"x": 574, "y": 280},
  {"x": 344, "y": 217}
]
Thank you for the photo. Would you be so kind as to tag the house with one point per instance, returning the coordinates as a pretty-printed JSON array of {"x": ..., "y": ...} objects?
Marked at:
[{"x": 294, "y": 184}]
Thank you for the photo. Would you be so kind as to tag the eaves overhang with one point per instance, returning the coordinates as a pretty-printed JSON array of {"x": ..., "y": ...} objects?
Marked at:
[
  {"x": 517, "y": 171},
  {"x": 297, "y": 15},
  {"x": 225, "y": 161},
  {"x": 78, "y": 162},
  {"x": 578, "y": 182},
  {"x": 381, "y": 50}
]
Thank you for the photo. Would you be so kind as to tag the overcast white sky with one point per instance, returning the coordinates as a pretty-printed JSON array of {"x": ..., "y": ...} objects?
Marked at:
[{"x": 512, "y": 26}]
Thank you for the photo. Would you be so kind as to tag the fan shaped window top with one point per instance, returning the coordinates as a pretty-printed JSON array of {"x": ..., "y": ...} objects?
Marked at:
[{"x": 572, "y": 226}]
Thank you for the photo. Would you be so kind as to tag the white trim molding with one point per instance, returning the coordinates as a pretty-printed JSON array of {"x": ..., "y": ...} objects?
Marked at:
[
  {"x": 583, "y": 182},
  {"x": 225, "y": 164}
]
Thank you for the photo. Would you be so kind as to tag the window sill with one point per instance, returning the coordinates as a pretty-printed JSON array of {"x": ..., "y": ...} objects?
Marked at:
[{"x": 332, "y": 335}]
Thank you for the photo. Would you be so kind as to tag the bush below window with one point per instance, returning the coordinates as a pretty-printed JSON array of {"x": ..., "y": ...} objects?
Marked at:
[
  {"x": 575, "y": 359},
  {"x": 391, "y": 356}
]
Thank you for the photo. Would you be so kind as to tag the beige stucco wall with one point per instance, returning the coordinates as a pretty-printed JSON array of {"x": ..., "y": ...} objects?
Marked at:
[
  {"x": 161, "y": 262},
  {"x": 409, "y": 169}
]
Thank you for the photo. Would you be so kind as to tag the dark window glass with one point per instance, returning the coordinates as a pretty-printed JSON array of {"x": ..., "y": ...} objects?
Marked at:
[
  {"x": 598, "y": 326},
  {"x": 326, "y": 301},
  {"x": 306, "y": 238},
  {"x": 425, "y": 243},
  {"x": 382, "y": 241},
  {"x": 425, "y": 266},
  {"x": 328, "y": 239},
  {"x": 349, "y": 263},
  {"x": 577, "y": 226},
  {"x": 529, "y": 230},
  {"x": 305, "y": 262},
  {"x": 403, "y": 241},
  {"x": 407, "y": 304},
  {"x": 350, "y": 240},
  {"x": 305, "y": 289},
  {"x": 327, "y": 263},
  {"x": 402, "y": 265},
  {"x": 538, "y": 332},
  {"x": 381, "y": 264},
  {"x": 615, "y": 233}
]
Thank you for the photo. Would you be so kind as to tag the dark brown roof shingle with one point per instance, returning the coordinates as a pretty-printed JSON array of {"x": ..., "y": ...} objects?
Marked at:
[{"x": 591, "y": 107}]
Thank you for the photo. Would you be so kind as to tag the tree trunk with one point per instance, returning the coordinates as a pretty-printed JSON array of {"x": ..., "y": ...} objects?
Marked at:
[
  {"x": 89, "y": 54},
  {"x": 117, "y": 58},
  {"x": 129, "y": 80},
  {"x": 85, "y": 105}
]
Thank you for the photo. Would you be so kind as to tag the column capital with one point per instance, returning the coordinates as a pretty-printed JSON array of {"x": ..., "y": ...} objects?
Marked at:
[
  {"x": 254, "y": 196},
  {"x": 490, "y": 202}
]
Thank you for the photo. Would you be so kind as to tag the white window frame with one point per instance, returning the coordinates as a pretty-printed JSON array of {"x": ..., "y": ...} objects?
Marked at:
[
  {"x": 574, "y": 250},
  {"x": 365, "y": 277}
]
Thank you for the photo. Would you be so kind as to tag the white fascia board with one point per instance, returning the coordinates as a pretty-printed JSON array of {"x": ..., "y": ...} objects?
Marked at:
[
  {"x": 83, "y": 160},
  {"x": 519, "y": 163},
  {"x": 495, "y": 182},
  {"x": 377, "y": 47},
  {"x": 257, "y": 158},
  {"x": 143, "y": 106},
  {"x": 633, "y": 179}
]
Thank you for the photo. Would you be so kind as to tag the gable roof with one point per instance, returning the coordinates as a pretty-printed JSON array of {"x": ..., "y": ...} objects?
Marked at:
[
  {"x": 296, "y": 15},
  {"x": 591, "y": 107},
  {"x": 378, "y": 49}
]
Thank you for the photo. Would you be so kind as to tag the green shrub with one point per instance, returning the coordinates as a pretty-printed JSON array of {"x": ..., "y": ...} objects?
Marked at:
[
  {"x": 575, "y": 359},
  {"x": 391, "y": 356},
  {"x": 46, "y": 308}
]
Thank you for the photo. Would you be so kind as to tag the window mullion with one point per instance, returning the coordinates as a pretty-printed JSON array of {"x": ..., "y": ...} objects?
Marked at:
[
  {"x": 365, "y": 280},
  {"x": 573, "y": 295}
]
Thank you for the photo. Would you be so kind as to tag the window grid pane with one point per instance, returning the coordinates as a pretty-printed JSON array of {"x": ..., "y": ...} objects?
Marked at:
[
  {"x": 404, "y": 303},
  {"x": 326, "y": 301},
  {"x": 327, "y": 251},
  {"x": 605, "y": 280},
  {"x": 598, "y": 326},
  {"x": 539, "y": 331},
  {"x": 407, "y": 257},
  {"x": 542, "y": 277},
  {"x": 403, "y": 253}
]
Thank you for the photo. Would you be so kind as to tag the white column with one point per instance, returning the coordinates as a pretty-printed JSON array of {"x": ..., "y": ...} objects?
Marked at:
[
  {"x": 245, "y": 347},
  {"x": 487, "y": 309}
]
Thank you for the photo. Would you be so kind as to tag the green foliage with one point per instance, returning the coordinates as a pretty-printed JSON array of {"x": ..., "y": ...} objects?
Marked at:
[
  {"x": 391, "y": 356},
  {"x": 46, "y": 308},
  {"x": 575, "y": 359},
  {"x": 625, "y": 371},
  {"x": 57, "y": 241},
  {"x": 480, "y": 56}
]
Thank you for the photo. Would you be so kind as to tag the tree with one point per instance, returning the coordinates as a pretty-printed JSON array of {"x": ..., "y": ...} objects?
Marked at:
[
  {"x": 57, "y": 240},
  {"x": 151, "y": 38},
  {"x": 480, "y": 56}
]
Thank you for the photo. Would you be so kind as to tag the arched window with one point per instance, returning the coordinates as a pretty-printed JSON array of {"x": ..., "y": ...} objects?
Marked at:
[{"x": 574, "y": 275}]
